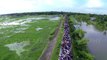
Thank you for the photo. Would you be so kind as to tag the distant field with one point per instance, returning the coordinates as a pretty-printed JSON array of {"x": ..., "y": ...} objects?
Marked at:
[{"x": 24, "y": 38}]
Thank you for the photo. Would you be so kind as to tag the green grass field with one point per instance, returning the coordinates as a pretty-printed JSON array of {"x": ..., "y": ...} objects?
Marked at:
[{"x": 24, "y": 38}]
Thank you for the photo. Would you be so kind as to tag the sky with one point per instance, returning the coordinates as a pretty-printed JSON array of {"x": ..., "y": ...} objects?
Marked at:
[{"x": 82, "y": 6}]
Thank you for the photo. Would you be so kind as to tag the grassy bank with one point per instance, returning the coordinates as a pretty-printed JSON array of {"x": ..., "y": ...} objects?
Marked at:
[
  {"x": 79, "y": 43},
  {"x": 55, "y": 53}
]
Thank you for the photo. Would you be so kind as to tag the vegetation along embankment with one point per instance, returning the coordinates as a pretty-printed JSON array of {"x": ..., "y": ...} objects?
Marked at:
[{"x": 79, "y": 43}]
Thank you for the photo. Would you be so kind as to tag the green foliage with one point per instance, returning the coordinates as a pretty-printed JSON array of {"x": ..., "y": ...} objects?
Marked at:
[
  {"x": 80, "y": 50},
  {"x": 78, "y": 34},
  {"x": 100, "y": 21},
  {"x": 55, "y": 52},
  {"x": 52, "y": 34},
  {"x": 38, "y": 39},
  {"x": 71, "y": 23}
]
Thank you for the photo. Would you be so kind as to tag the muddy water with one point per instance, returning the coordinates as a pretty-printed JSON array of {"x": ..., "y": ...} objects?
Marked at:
[{"x": 97, "y": 41}]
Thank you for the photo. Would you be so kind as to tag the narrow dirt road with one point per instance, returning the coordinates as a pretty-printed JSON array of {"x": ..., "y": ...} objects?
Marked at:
[{"x": 48, "y": 52}]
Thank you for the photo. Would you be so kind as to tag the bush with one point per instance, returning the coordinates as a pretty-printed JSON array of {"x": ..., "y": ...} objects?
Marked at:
[{"x": 79, "y": 44}]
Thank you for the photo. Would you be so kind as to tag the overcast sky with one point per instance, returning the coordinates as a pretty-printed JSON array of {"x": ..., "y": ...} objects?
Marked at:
[{"x": 87, "y": 6}]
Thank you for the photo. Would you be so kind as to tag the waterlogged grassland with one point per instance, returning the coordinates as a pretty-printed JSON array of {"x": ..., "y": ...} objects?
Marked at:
[{"x": 24, "y": 38}]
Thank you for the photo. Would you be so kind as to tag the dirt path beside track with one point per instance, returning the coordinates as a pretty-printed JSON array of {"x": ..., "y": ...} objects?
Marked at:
[{"x": 48, "y": 51}]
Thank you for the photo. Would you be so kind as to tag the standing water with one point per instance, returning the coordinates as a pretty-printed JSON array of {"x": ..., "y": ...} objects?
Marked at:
[{"x": 97, "y": 41}]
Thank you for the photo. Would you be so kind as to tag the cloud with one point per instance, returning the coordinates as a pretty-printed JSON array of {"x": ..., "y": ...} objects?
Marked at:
[
  {"x": 14, "y": 6},
  {"x": 18, "y": 6},
  {"x": 57, "y": 3},
  {"x": 69, "y": 3},
  {"x": 49, "y": 2},
  {"x": 94, "y": 4}
]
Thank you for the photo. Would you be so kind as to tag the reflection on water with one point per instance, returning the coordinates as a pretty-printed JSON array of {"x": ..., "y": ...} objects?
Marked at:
[{"x": 97, "y": 41}]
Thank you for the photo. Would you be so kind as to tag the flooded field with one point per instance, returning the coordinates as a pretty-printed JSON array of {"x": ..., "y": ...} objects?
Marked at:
[
  {"x": 25, "y": 37},
  {"x": 97, "y": 41},
  {"x": 18, "y": 47}
]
